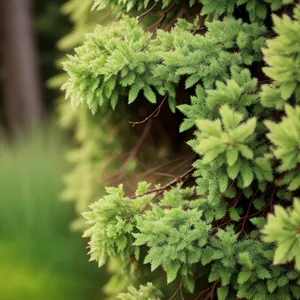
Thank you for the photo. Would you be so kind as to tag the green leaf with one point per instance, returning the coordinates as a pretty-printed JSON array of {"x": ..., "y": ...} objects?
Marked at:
[
  {"x": 246, "y": 151},
  {"x": 247, "y": 175},
  {"x": 263, "y": 273},
  {"x": 207, "y": 255},
  {"x": 222, "y": 292},
  {"x": 233, "y": 171},
  {"x": 258, "y": 222},
  {"x": 172, "y": 271},
  {"x": 234, "y": 215},
  {"x": 133, "y": 92},
  {"x": 287, "y": 89},
  {"x": 244, "y": 276},
  {"x": 232, "y": 156},
  {"x": 295, "y": 183},
  {"x": 272, "y": 285},
  {"x": 149, "y": 94}
]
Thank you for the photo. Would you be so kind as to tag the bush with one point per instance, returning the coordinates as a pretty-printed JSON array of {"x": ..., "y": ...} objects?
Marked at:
[{"x": 232, "y": 69}]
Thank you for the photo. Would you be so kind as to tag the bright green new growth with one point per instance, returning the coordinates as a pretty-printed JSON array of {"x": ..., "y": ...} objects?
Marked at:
[
  {"x": 286, "y": 138},
  {"x": 112, "y": 222},
  {"x": 284, "y": 228},
  {"x": 174, "y": 239},
  {"x": 122, "y": 60},
  {"x": 245, "y": 134},
  {"x": 245, "y": 266},
  {"x": 145, "y": 292},
  {"x": 233, "y": 144},
  {"x": 283, "y": 58}
]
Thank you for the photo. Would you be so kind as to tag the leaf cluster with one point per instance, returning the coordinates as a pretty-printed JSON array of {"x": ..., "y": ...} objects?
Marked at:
[
  {"x": 282, "y": 57},
  {"x": 122, "y": 60},
  {"x": 284, "y": 228}
]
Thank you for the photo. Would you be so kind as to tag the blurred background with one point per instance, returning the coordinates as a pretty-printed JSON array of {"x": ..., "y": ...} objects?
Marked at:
[{"x": 40, "y": 257}]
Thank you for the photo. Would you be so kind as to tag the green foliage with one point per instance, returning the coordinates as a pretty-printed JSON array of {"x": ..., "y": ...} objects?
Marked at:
[
  {"x": 96, "y": 69},
  {"x": 90, "y": 157},
  {"x": 232, "y": 145},
  {"x": 282, "y": 56},
  {"x": 174, "y": 237},
  {"x": 284, "y": 228},
  {"x": 139, "y": 5},
  {"x": 203, "y": 225},
  {"x": 245, "y": 271},
  {"x": 286, "y": 138},
  {"x": 145, "y": 292},
  {"x": 257, "y": 9},
  {"x": 230, "y": 148},
  {"x": 123, "y": 60},
  {"x": 239, "y": 92},
  {"x": 112, "y": 221},
  {"x": 92, "y": 147},
  {"x": 83, "y": 20}
]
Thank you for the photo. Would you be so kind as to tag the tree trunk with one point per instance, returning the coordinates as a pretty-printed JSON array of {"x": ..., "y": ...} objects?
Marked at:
[{"x": 23, "y": 103}]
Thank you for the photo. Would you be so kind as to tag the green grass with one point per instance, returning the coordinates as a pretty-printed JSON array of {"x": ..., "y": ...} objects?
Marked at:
[{"x": 40, "y": 257}]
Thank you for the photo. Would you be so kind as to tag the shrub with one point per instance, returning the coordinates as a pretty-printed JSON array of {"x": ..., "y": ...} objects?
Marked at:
[{"x": 211, "y": 231}]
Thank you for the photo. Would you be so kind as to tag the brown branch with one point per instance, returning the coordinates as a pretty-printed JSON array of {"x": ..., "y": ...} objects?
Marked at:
[
  {"x": 140, "y": 17},
  {"x": 202, "y": 293},
  {"x": 211, "y": 294},
  {"x": 160, "y": 190},
  {"x": 166, "y": 186},
  {"x": 272, "y": 200},
  {"x": 163, "y": 16},
  {"x": 225, "y": 223},
  {"x": 154, "y": 169},
  {"x": 258, "y": 212},
  {"x": 180, "y": 14},
  {"x": 157, "y": 24},
  {"x": 121, "y": 172},
  {"x": 181, "y": 293},
  {"x": 164, "y": 174},
  {"x": 237, "y": 200},
  {"x": 108, "y": 13},
  {"x": 248, "y": 210},
  {"x": 154, "y": 114},
  {"x": 178, "y": 289},
  {"x": 231, "y": 185}
]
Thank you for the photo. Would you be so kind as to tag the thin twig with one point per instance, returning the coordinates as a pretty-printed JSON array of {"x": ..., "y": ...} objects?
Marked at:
[
  {"x": 213, "y": 290},
  {"x": 162, "y": 15},
  {"x": 178, "y": 289},
  {"x": 154, "y": 169},
  {"x": 202, "y": 293},
  {"x": 164, "y": 174},
  {"x": 272, "y": 200},
  {"x": 140, "y": 17},
  {"x": 181, "y": 293},
  {"x": 121, "y": 172},
  {"x": 248, "y": 210},
  {"x": 180, "y": 14},
  {"x": 108, "y": 14},
  {"x": 154, "y": 114},
  {"x": 160, "y": 190},
  {"x": 211, "y": 294},
  {"x": 230, "y": 186},
  {"x": 166, "y": 186}
]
